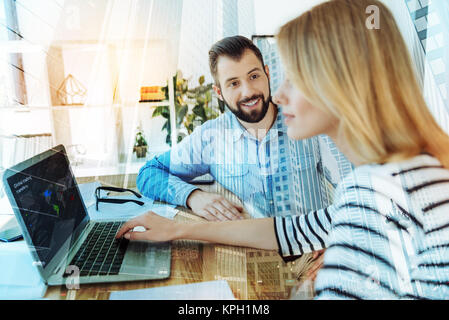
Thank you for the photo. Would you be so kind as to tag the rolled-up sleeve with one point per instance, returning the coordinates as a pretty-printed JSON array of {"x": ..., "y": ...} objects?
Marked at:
[{"x": 165, "y": 177}]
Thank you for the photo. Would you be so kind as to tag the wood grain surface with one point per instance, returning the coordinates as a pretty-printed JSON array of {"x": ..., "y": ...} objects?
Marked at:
[{"x": 252, "y": 274}]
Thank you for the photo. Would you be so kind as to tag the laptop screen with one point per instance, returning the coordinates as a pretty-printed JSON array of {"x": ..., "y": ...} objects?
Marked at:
[{"x": 49, "y": 203}]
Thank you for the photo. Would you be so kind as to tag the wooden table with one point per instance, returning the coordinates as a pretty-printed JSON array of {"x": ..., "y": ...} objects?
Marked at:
[{"x": 251, "y": 273}]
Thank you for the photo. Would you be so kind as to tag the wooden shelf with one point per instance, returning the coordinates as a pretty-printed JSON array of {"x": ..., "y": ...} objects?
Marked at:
[
  {"x": 80, "y": 107},
  {"x": 155, "y": 103}
]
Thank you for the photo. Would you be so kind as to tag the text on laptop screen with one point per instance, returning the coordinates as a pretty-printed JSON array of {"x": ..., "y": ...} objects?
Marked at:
[{"x": 49, "y": 202}]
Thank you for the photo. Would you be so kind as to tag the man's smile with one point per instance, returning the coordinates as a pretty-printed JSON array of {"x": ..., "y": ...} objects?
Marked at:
[{"x": 251, "y": 104}]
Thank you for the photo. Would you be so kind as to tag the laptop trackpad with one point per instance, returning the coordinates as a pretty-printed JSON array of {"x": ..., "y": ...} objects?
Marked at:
[{"x": 146, "y": 258}]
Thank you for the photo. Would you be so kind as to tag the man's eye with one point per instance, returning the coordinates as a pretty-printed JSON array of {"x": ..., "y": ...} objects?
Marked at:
[
  {"x": 254, "y": 76},
  {"x": 233, "y": 84}
]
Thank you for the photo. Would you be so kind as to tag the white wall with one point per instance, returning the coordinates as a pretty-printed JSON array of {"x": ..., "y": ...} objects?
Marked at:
[
  {"x": 270, "y": 15},
  {"x": 112, "y": 47}
]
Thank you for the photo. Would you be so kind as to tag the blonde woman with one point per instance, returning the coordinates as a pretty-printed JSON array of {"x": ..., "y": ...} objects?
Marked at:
[{"x": 387, "y": 233}]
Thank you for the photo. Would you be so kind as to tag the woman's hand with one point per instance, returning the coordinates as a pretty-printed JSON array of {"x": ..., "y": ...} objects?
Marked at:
[
  {"x": 318, "y": 257},
  {"x": 156, "y": 227},
  {"x": 253, "y": 233}
]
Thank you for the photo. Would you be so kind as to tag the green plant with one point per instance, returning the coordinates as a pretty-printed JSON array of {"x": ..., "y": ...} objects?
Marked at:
[
  {"x": 140, "y": 140},
  {"x": 200, "y": 97},
  {"x": 140, "y": 144},
  {"x": 203, "y": 110}
]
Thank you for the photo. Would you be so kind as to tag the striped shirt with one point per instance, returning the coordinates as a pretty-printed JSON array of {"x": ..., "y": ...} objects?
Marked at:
[{"x": 386, "y": 234}]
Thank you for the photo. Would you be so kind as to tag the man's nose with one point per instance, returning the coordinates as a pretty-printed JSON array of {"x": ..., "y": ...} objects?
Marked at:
[{"x": 247, "y": 91}]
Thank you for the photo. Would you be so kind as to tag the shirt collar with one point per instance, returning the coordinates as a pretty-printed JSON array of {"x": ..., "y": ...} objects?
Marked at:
[
  {"x": 277, "y": 129},
  {"x": 237, "y": 129}
]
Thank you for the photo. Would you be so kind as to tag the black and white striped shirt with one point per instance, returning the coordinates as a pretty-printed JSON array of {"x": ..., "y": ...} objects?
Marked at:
[{"x": 386, "y": 234}]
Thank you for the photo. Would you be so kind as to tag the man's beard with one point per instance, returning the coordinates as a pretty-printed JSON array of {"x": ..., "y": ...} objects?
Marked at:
[{"x": 254, "y": 116}]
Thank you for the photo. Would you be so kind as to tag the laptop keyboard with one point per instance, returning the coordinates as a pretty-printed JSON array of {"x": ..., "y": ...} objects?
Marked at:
[{"x": 101, "y": 254}]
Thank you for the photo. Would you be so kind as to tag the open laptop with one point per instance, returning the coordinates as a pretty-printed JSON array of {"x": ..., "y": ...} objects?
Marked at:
[{"x": 64, "y": 241}]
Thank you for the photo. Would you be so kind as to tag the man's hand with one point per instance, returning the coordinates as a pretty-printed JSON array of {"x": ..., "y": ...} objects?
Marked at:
[{"x": 213, "y": 207}]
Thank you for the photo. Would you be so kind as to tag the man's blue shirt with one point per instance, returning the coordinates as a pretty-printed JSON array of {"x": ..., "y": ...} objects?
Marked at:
[{"x": 261, "y": 173}]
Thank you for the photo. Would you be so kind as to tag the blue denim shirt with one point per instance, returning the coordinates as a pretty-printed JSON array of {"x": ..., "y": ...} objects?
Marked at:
[{"x": 260, "y": 173}]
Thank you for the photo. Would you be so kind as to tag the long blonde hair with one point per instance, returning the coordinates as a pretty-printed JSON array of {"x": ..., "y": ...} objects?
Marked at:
[{"x": 365, "y": 78}]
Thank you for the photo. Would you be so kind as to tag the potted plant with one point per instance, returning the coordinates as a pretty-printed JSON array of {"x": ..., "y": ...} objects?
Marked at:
[
  {"x": 140, "y": 145},
  {"x": 180, "y": 86},
  {"x": 200, "y": 97}
]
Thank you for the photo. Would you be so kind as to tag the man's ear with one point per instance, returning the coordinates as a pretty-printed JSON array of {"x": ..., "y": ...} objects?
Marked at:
[
  {"x": 267, "y": 71},
  {"x": 217, "y": 91}
]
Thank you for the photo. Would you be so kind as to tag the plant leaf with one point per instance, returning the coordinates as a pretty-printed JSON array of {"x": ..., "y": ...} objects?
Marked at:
[
  {"x": 181, "y": 114},
  {"x": 166, "y": 126}
]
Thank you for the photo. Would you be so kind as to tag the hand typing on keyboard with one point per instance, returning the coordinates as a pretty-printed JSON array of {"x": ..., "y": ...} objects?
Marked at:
[
  {"x": 254, "y": 233},
  {"x": 100, "y": 254},
  {"x": 139, "y": 229},
  {"x": 149, "y": 226}
]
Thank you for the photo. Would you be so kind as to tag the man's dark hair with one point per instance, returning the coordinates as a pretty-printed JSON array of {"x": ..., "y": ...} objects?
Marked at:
[{"x": 232, "y": 47}]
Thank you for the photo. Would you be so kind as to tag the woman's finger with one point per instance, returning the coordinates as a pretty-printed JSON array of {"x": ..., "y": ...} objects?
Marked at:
[
  {"x": 316, "y": 254},
  {"x": 315, "y": 267},
  {"x": 137, "y": 236},
  {"x": 131, "y": 224}
]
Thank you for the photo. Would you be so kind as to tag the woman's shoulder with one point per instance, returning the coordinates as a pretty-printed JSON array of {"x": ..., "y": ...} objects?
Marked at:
[
  {"x": 391, "y": 179},
  {"x": 421, "y": 167},
  {"x": 411, "y": 185}
]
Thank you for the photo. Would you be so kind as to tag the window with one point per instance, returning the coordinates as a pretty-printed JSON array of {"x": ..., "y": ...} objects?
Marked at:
[
  {"x": 430, "y": 20},
  {"x": 14, "y": 56},
  {"x": 111, "y": 49},
  {"x": 22, "y": 80},
  {"x": 8, "y": 21}
]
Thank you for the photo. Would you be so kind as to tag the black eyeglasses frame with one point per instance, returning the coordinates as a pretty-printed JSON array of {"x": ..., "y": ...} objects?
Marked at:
[{"x": 112, "y": 200}]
